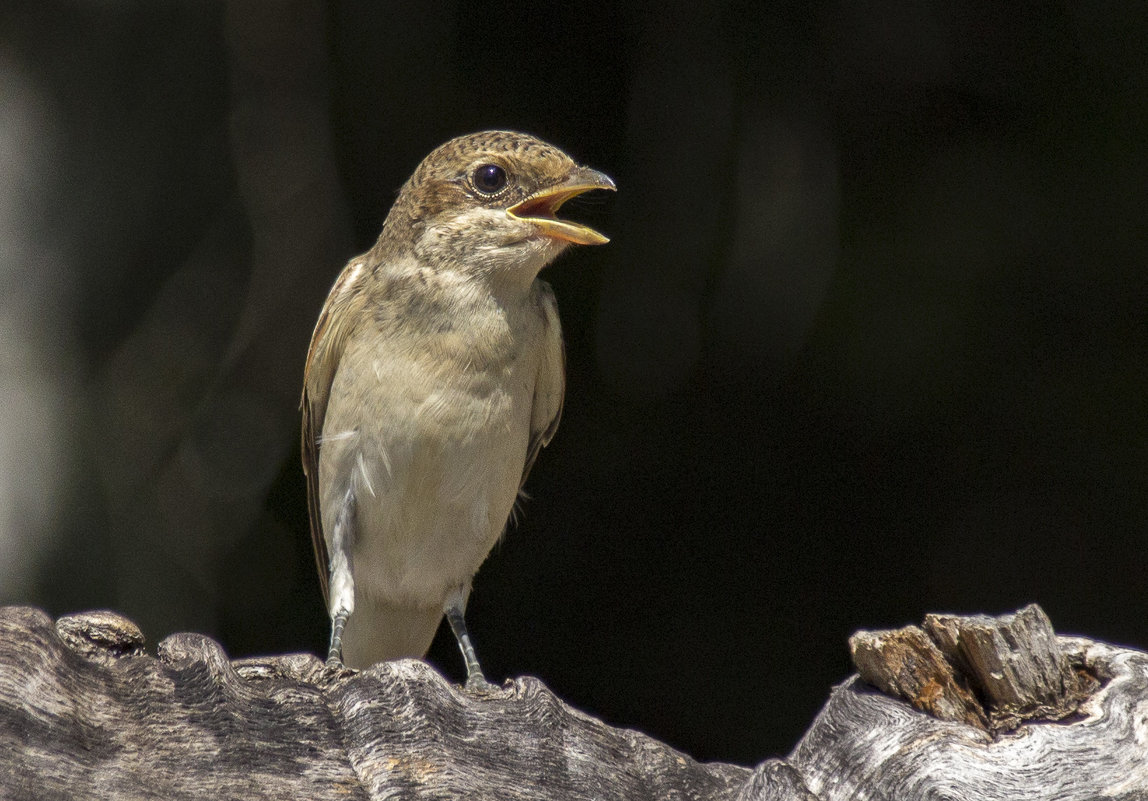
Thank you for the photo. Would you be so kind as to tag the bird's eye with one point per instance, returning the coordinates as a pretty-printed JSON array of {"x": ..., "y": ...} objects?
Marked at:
[{"x": 490, "y": 179}]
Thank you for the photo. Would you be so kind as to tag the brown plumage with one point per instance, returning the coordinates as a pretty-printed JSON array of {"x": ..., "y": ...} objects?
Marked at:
[{"x": 434, "y": 377}]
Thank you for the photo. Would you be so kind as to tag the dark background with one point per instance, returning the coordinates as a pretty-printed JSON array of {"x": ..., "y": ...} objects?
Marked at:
[{"x": 869, "y": 341}]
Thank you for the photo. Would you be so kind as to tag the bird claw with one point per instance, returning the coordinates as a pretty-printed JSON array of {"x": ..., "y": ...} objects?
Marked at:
[{"x": 477, "y": 683}]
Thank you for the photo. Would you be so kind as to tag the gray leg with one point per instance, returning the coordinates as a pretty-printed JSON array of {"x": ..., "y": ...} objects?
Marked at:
[
  {"x": 341, "y": 581},
  {"x": 455, "y": 609},
  {"x": 335, "y": 650}
]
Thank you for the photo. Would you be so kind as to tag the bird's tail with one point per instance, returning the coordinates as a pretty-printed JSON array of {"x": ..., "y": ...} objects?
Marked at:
[{"x": 378, "y": 631}]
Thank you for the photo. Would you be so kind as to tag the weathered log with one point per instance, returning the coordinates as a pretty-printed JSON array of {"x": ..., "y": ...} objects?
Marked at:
[{"x": 85, "y": 712}]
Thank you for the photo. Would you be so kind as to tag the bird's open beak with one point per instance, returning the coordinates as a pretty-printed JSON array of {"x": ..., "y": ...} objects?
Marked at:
[{"x": 541, "y": 207}]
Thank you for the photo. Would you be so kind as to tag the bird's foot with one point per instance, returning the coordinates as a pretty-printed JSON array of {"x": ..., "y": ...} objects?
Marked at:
[{"x": 477, "y": 683}]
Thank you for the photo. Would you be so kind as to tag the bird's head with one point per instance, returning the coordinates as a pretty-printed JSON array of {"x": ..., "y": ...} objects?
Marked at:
[{"x": 488, "y": 202}]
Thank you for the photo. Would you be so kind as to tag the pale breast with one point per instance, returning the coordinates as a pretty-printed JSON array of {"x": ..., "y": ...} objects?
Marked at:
[{"x": 431, "y": 424}]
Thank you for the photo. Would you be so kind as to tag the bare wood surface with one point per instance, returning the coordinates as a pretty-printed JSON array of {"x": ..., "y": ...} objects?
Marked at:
[{"x": 86, "y": 712}]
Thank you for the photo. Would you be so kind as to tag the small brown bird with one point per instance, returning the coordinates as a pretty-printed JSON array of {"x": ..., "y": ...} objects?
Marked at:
[{"x": 435, "y": 375}]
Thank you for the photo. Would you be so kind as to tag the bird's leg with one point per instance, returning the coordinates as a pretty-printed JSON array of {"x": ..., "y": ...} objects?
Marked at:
[
  {"x": 341, "y": 581},
  {"x": 455, "y": 609},
  {"x": 335, "y": 650}
]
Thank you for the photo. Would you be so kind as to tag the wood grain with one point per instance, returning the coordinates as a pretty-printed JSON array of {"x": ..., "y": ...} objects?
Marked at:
[
  {"x": 188, "y": 723},
  {"x": 86, "y": 712}
]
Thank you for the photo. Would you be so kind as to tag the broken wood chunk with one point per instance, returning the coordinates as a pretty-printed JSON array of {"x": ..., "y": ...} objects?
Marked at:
[
  {"x": 991, "y": 672},
  {"x": 1015, "y": 662},
  {"x": 905, "y": 663}
]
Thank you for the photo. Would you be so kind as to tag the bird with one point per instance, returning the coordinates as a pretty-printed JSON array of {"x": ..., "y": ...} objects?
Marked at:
[{"x": 435, "y": 375}]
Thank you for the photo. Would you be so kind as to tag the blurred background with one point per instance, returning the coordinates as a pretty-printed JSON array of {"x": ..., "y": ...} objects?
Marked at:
[{"x": 870, "y": 340}]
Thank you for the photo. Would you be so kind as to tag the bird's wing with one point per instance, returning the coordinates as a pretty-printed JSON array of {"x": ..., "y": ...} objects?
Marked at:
[
  {"x": 327, "y": 345},
  {"x": 550, "y": 387}
]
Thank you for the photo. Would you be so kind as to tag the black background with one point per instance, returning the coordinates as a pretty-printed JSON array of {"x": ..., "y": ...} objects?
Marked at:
[{"x": 869, "y": 341}]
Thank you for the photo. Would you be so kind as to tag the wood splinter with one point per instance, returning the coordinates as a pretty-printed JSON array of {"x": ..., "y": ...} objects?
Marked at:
[{"x": 994, "y": 673}]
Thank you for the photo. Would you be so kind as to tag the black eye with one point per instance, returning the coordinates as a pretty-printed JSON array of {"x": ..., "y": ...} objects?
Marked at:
[{"x": 490, "y": 179}]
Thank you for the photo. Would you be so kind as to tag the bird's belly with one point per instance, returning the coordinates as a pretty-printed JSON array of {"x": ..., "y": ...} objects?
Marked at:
[{"x": 437, "y": 478}]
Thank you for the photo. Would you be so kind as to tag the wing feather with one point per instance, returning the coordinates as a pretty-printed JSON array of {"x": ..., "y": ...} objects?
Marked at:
[
  {"x": 550, "y": 387},
  {"x": 328, "y": 342}
]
